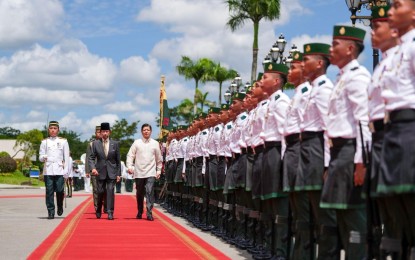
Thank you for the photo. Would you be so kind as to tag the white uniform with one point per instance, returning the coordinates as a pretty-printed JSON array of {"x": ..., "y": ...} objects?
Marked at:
[
  {"x": 296, "y": 109},
  {"x": 348, "y": 106},
  {"x": 54, "y": 151}
]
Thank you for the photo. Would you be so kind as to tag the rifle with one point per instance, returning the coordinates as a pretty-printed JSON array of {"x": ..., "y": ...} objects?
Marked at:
[{"x": 373, "y": 221}]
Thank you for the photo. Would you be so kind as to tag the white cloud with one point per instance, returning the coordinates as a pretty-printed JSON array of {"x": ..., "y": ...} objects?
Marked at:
[
  {"x": 67, "y": 65},
  {"x": 36, "y": 115},
  {"x": 141, "y": 100},
  {"x": 19, "y": 96},
  {"x": 177, "y": 91},
  {"x": 71, "y": 122},
  {"x": 137, "y": 71},
  {"x": 23, "y": 22},
  {"x": 300, "y": 40},
  {"x": 121, "y": 106},
  {"x": 148, "y": 117}
]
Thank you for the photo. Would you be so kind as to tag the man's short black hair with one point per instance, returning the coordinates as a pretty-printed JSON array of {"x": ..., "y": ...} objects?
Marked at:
[{"x": 146, "y": 125}]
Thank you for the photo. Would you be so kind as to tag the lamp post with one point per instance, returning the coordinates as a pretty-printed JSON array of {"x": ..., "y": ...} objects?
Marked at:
[
  {"x": 233, "y": 88},
  {"x": 356, "y": 6}
]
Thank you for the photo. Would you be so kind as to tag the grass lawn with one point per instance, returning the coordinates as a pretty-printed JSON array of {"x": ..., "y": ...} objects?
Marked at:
[{"x": 17, "y": 178}]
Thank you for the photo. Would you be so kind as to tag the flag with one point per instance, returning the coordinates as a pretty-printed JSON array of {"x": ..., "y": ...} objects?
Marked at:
[{"x": 165, "y": 123}]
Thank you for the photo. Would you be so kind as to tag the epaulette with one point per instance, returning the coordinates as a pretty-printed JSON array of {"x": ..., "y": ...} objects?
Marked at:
[
  {"x": 303, "y": 90},
  {"x": 229, "y": 126},
  {"x": 243, "y": 117},
  {"x": 321, "y": 82},
  {"x": 216, "y": 128},
  {"x": 355, "y": 68},
  {"x": 61, "y": 138},
  {"x": 277, "y": 97},
  {"x": 204, "y": 132}
]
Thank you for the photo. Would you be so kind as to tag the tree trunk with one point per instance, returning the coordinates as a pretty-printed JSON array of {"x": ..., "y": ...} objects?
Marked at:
[
  {"x": 220, "y": 93},
  {"x": 255, "y": 53},
  {"x": 194, "y": 99}
]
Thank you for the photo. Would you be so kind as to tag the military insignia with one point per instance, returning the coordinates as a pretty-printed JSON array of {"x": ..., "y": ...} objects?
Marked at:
[
  {"x": 381, "y": 12},
  {"x": 307, "y": 48},
  {"x": 204, "y": 133},
  {"x": 355, "y": 68},
  {"x": 342, "y": 31},
  {"x": 216, "y": 129},
  {"x": 263, "y": 103},
  {"x": 229, "y": 126},
  {"x": 270, "y": 67},
  {"x": 243, "y": 117},
  {"x": 303, "y": 90},
  {"x": 321, "y": 82},
  {"x": 277, "y": 97}
]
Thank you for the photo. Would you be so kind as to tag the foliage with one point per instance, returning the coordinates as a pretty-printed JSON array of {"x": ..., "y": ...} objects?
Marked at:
[
  {"x": 254, "y": 10},
  {"x": 76, "y": 146},
  {"x": 197, "y": 70},
  {"x": 221, "y": 74},
  {"x": 7, "y": 164},
  {"x": 4, "y": 154},
  {"x": 18, "y": 178},
  {"x": 124, "y": 133},
  {"x": 8, "y": 133},
  {"x": 30, "y": 143}
]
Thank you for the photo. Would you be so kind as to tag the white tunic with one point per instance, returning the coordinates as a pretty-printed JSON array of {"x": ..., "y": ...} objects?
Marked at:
[
  {"x": 399, "y": 93},
  {"x": 296, "y": 109},
  {"x": 257, "y": 123},
  {"x": 348, "y": 106},
  {"x": 273, "y": 123},
  {"x": 54, "y": 152},
  {"x": 378, "y": 83}
]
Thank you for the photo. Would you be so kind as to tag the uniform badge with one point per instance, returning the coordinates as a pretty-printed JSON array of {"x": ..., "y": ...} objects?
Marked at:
[
  {"x": 243, "y": 117},
  {"x": 381, "y": 12},
  {"x": 342, "y": 31},
  {"x": 229, "y": 126},
  {"x": 303, "y": 90},
  {"x": 355, "y": 68},
  {"x": 263, "y": 103},
  {"x": 204, "y": 133},
  {"x": 321, "y": 82},
  {"x": 216, "y": 129},
  {"x": 277, "y": 97},
  {"x": 308, "y": 48},
  {"x": 270, "y": 67}
]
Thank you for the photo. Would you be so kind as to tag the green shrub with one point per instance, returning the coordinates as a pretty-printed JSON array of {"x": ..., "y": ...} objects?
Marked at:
[
  {"x": 7, "y": 164},
  {"x": 4, "y": 154}
]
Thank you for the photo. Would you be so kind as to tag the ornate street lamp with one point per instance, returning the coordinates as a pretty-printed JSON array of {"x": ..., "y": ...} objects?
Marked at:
[
  {"x": 227, "y": 96},
  {"x": 356, "y": 6}
]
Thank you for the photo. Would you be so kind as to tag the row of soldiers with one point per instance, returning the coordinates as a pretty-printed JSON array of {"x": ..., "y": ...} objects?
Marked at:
[{"x": 333, "y": 166}]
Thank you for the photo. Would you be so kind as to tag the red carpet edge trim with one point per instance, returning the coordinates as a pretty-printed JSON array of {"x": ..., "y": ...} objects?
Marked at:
[
  {"x": 194, "y": 246},
  {"x": 62, "y": 238}
]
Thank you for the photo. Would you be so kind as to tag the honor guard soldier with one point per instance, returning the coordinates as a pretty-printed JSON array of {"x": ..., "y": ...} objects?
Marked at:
[
  {"x": 379, "y": 210},
  {"x": 291, "y": 164},
  {"x": 236, "y": 174},
  {"x": 397, "y": 176},
  {"x": 170, "y": 167},
  {"x": 274, "y": 200},
  {"x": 315, "y": 153},
  {"x": 347, "y": 122},
  {"x": 54, "y": 153},
  {"x": 216, "y": 181},
  {"x": 180, "y": 169}
]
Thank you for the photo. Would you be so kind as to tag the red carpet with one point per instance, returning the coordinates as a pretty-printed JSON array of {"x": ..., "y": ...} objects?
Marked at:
[{"x": 82, "y": 236}]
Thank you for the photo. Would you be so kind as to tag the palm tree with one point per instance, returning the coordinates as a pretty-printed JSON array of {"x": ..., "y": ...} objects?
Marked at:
[
  {"x": 201, "y": 98},
  {"x": 254, "y": 10},
  {"x": 221, "y": 74},
  {"x": 195, "y": 70}
]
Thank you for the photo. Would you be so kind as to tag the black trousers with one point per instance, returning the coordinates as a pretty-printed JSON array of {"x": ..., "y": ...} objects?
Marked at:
[
  {"x": 106, "y": 185},
  {"x": 145, "y": 186}
]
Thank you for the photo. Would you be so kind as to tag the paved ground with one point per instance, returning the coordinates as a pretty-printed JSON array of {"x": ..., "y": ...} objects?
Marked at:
[{"x": 24, "y": 224}]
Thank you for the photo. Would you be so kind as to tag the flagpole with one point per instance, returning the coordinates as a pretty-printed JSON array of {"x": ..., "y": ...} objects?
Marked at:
[{"x": 162, "y": 90}]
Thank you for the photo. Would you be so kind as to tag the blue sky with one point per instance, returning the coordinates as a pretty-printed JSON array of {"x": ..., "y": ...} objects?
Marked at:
[{"x": 83, "y": 62}]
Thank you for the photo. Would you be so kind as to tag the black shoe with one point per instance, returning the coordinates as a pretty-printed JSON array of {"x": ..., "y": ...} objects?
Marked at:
[
  {"x": 51, "y": 216},
  {"x": 150, "y": 218},
  {"x": 60, "y": 211},
  {"x": 118, "y": 192},
  {"x": 105, "y": 211},
  {"x": 139, "y": 216},
  {"x": 98, "y": 214},
  {"x": 110, "y": 216}
]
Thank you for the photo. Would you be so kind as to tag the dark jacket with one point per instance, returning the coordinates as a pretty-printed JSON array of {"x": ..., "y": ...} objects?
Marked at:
[{"x": 106, "y": 166}]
